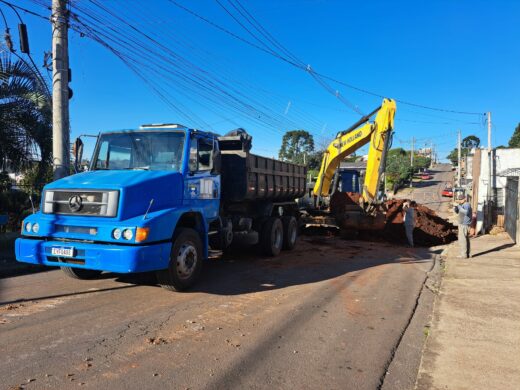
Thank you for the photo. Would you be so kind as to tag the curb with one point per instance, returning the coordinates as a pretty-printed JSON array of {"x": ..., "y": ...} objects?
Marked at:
[{"x": 404, "y": 365}]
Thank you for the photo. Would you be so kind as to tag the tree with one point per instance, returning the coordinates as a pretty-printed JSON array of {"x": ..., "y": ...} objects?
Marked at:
[
  {"x": 470, "y": 142},
  {"x": 25, "y": 115},
  {"x": 398, "y": 167},
  {"x": 514, "y": 142},
  {"x": 453, "y": 156},
  {"x": 296, "y": 144}
]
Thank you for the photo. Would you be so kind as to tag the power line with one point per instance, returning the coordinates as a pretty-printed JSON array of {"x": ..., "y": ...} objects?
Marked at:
[{"x": 324, "y": 76}]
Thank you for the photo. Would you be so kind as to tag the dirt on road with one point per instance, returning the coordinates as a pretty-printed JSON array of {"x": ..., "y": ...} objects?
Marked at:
[{"x": 430, "y": 229}]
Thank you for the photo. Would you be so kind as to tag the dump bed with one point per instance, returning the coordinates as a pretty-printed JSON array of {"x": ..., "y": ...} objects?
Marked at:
[{"x": 246, "y": 176}]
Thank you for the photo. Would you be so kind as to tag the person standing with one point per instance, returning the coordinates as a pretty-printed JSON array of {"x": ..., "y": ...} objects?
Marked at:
[
  {"x": 409, "y": 220},
  {"x": 464, "y": 213}
]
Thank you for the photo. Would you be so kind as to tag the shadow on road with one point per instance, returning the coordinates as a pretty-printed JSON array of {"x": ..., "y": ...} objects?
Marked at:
[
  {"x": 22, "y": 300},
  {"x": 243, "y": 271}
]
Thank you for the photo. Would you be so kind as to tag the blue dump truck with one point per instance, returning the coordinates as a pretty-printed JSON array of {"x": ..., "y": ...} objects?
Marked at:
[{"x": 159, "y": 199}]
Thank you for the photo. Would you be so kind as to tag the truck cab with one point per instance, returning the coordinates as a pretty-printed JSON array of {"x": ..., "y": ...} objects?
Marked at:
[
  {"x": 144, "y": 186},
  {"x": 152, "y": 201}
]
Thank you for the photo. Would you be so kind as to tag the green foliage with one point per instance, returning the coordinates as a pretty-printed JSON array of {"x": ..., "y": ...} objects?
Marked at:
[
  {"x": 35, "y": 178},
  {"x": 514, "y": 142},
  {"x": 470, "y": 142},
  {"x": 421, "y": 162},
  {"x": 25, "y": 114},
  {"x": 295, "y": 144},
  {"x": 14, "y": 202},
  {"x": 314, "y": 160},
  {"x": 5, "y": 182},
  {"x": 398, "y": 167},
  {"x": 453, "y": 156},
  {"x": 397, "y": 152}
]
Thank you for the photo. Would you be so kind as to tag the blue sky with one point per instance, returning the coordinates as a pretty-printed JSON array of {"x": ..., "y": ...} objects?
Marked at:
[{"x": 459, "y": 55}]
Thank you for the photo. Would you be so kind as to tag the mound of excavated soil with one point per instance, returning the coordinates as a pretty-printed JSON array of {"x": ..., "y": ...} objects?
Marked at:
[{"x": 430, "y": 229}]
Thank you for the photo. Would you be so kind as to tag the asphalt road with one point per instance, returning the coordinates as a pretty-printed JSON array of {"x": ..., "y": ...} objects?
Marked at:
[
  {"x": 327, "y": 315},
  {"x": 429, "y": 192}
]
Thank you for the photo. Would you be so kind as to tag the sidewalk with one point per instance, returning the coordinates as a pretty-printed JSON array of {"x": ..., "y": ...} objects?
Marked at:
[{"x": 474, "y": 340}]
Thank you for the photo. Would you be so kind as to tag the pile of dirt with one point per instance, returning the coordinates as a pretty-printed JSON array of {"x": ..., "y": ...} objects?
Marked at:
[
  {"x": 340, "y": 200},
  {"x": 430, "y": 229}
]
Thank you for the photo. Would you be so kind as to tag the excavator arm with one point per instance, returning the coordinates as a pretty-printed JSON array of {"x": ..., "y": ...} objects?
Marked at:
[{"x": 378, "y": 133}]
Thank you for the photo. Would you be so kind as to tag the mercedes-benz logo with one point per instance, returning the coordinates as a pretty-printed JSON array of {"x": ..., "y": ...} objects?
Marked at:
[{"x": 75, "y": 203}]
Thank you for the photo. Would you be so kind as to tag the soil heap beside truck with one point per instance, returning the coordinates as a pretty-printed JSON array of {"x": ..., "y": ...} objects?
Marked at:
[{"x": 157, "y": 199}]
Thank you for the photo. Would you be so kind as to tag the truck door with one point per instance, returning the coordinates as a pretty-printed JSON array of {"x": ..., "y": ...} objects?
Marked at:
[{"x": 202, "y": 189}]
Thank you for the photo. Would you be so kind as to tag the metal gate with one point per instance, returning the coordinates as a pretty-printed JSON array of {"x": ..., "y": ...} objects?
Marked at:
[{"x": 511, "y": 206}]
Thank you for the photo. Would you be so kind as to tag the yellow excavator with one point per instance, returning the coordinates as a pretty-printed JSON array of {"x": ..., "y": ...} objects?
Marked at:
[{"x": 368, "y": 213}]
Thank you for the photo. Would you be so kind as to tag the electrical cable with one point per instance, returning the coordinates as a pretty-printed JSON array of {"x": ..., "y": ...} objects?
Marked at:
[{"x": 293, "y": 63}]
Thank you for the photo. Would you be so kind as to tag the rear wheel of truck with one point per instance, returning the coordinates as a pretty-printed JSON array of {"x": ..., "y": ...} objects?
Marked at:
[
  {"x": 185, "y": 261},
  {"x": 80, "y": 273},
  {"x": 271, "y": 236},
  {"x": 290, "y": 232}
]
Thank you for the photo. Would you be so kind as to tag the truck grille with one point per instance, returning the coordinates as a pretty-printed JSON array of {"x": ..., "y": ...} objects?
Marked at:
[{"x": 86, "y": 203}]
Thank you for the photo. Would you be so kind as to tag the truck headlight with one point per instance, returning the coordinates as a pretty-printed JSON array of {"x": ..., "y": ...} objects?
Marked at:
[
  {"x": 128, "y": 234},
  {"x": 35, "y": 227},
  {"x": 28, "y": 227},
  {"x": 116, "y": 234}
]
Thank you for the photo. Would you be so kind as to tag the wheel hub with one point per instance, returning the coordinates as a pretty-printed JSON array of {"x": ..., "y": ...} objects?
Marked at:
[{"x": 186, "y": 260}]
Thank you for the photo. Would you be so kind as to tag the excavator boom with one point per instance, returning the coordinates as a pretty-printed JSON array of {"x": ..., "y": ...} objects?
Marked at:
[{"x": 378, "y": 133}]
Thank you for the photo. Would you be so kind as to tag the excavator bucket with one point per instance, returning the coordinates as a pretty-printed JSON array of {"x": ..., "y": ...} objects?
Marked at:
[{"x": 349, "y": 215}]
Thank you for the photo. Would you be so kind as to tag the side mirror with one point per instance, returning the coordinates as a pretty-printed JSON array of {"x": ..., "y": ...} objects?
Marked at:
[
  {"x": 217, "y": 162},
  {"x": 192, "y": 165},
  {"x": 77, "y": 149}
]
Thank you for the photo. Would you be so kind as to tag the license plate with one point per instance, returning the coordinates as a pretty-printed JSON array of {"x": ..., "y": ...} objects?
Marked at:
[{"x": 62, "y": 252}]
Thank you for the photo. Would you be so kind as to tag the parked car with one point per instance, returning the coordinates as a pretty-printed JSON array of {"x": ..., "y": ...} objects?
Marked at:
[
  {"x": 426, "y": 176},
  {"x": 447, "y": 192}
]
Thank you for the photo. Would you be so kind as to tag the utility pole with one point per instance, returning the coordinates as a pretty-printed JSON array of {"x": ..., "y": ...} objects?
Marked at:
[
  {"x": 489, "y": 131},
  {"x": 459, "y": 170},
  {"x": 60, "y": 90},
  {"x": 411, "y": 160},
  {"x": 490, "y": 160}
]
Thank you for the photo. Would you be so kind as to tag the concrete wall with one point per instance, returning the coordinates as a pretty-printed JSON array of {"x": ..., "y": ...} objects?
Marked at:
[{"x": 502, "y": 159}]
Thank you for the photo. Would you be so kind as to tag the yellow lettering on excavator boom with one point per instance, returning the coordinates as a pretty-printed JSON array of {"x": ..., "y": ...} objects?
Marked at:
[{"x": 346, "y": 143}]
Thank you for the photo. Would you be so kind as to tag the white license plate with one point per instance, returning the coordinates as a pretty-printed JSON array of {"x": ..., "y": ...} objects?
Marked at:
[{"x": 62, "y": 252}]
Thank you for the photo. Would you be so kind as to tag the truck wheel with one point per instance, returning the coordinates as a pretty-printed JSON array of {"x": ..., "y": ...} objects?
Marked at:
[
  {"x": 290, "y": 232},
  {"x": 80, "y": 273},
  {"x": 185, "y": 261},
  {"x": 271, "y": 237}
]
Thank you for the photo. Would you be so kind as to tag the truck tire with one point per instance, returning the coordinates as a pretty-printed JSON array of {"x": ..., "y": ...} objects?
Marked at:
[
  {"x": 185, "y": 261},
  {"x": 80, "y": 273},
  {"x": 271, "y": 236},
  {"x": 290, "y": 232}
]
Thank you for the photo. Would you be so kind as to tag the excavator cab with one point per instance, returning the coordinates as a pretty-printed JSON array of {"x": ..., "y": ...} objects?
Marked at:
[{"x": 363, "y": 209}]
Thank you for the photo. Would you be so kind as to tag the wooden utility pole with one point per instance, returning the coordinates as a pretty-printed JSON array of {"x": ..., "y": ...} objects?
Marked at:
[
  {"x": 459, "y": 151},
  {"x": 60, "y": 90}
]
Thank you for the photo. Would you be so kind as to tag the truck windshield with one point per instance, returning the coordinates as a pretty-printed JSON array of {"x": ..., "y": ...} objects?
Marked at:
[{"x": 140, "y": 150}]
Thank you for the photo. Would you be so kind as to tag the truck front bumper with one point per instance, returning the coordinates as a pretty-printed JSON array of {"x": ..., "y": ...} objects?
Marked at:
[{"x": 102, "y": 257}]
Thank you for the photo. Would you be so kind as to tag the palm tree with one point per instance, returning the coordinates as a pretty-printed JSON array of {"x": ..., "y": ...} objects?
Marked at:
[{"x": 25, "y": 115}]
